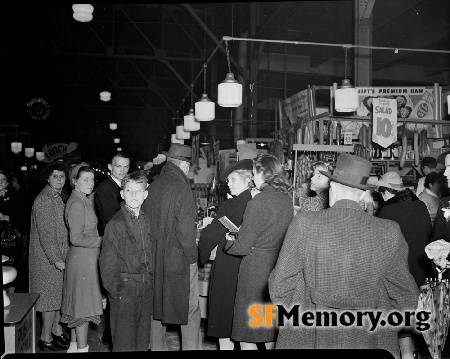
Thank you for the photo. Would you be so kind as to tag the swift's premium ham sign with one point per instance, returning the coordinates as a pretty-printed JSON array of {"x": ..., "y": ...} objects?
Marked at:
[{"x": 384, "y": 121}]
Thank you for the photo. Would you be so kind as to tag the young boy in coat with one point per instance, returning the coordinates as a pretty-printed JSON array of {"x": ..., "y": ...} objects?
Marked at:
[{"x": 126, "y": 268}]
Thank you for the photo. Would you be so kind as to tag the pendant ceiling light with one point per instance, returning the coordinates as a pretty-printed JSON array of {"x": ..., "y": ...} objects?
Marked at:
[
  {"x": 448, "y": 104},
  {"x": 82, "y": 12},
  {"x": 113, "y": 126},
  {"x": 117, "y": 140},
  {"x": 190, "y": 123},
  {"x": 181, "y": 133},
  {"x": 229, "y": 90},
  {"x": 29, "y": 152},
  {"x": 205, "y": 109},
  {"x": 105, "y": 96},
  {"x": 40, "y": 155},
  {"x": 174, "y": 139},
  {"x": 346, "y": 96},
  {"x": 16, "y": 147},
  {"x": 119, "y": 149}
]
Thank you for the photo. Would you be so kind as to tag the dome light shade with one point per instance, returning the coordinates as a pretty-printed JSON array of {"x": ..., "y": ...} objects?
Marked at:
[
  {"x": 105, "y": 96},
  {"x": 40, "y": 156},
  {"x": 346, "y": 97},
  {"x": 205, "y": 109},
  {"x": 113, "y": 126},
  {"x": 174, "y": 139},
  {"x": 117, "y": 140},
  {"x": 229, "y": 92},
  {"x": 190, "y": 123},
  {"x": 119, "y": 149},
  {"x": 82, "y": 12},
  {"x": 182, "y": 134},
  {"x": 29, "y": 152},
  {"x": 16, "y": 147}
]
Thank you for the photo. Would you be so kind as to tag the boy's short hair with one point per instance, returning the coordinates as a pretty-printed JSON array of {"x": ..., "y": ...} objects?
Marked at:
[
  {"x": 139, "y": 176},
  {"x": 429, "y": 162}
]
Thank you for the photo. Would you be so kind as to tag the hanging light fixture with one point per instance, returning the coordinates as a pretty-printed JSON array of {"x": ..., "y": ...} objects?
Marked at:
[
  {"x": 205, "y": 109},
  {"x": 181, "y": 133},
  {"x": 29, "y": 152},
  {"x": 16, "y": 147},
  {"x": 113, "y": 126},
  {"x": 174, "y": 139},
  {"x": 119, "y": 149},
  {"x": 117, "y": 140},
  {"x": 40, "y": 156},
  {"x": 190, "y": 123},
  {"x": 82, "y": 12},
  {"x": 229, "y": 90},
  {"x": 448, "y": 104},
  {"x": 346, "y": 96},
  {"x": 105, "y": 96}
]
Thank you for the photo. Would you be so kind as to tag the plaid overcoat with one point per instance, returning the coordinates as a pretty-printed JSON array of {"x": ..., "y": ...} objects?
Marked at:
[{"x": 341, "y": 259}]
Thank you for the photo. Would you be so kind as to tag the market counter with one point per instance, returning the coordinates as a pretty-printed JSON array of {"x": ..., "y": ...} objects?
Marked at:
[{"x": 20, "y": 323}]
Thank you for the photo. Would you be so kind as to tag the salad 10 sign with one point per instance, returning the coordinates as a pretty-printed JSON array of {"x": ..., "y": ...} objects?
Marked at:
[{"x": 384, "y": 121}]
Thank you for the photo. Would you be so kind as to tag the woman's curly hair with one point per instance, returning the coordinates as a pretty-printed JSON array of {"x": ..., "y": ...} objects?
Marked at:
[
  {"x": 274, "y": 173},
  {"x": 54, "y": 166}
]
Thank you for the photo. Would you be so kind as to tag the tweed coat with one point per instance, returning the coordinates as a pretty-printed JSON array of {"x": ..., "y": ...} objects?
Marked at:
[
  {"x": 81, "y": 293},
  {"x": 225, "y": 268},
  {"x": 342, "y": 258},
  {"x": 107, "y": 202},
  {"x": 49, "y": 243},
  {"x": 266, "y": 220},
  {"x": 172, "y": 210},
  {"x": 415, "y": 224}
]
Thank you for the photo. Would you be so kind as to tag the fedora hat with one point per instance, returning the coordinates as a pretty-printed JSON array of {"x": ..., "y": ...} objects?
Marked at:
[
  {"x": 179, "y": 152},
  {"x": 352, "y": 171},
  {"x": 391, "y": 180},
  {"x": 238, "y": 165}
]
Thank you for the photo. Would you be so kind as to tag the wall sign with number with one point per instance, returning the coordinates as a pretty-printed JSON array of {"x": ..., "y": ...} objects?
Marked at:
[
  {"x": 384, "y": 121},
  {"x": 348, "y": 137}
]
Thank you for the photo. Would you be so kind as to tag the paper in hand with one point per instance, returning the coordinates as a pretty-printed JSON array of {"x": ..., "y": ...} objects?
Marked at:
[{"x": 228, "y": 224}]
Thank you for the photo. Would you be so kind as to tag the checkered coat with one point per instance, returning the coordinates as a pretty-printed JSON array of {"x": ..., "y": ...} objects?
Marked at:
[{"x": 342, "y": 258}]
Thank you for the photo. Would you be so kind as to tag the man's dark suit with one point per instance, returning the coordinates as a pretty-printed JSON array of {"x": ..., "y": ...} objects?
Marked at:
[{"x": 107, "y": 202}]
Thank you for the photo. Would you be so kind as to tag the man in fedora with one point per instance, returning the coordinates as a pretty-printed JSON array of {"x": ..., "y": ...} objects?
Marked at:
[
  {"x": 172, "y": 210},
  {"x": 343, "y": 259}
]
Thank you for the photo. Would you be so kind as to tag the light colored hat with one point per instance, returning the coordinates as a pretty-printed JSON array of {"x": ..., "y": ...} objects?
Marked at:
[
  {"x": 74, "y": 171},
  {"x": 391, "y": 180}
]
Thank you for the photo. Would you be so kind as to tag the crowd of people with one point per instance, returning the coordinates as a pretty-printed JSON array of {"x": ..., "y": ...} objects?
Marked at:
[{"x": 126, "y": 252}]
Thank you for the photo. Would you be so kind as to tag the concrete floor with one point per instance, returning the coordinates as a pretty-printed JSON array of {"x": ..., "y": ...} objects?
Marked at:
[{"x": 96, "y": 345}]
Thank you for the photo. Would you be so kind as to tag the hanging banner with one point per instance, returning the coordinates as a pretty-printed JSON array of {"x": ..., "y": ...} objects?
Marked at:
[
  {"x": 58, "y": 150},
  {"x": 384, "y": 121},
  {"x": 296, "y": 106},
  {"x": 412, "y": 103}
]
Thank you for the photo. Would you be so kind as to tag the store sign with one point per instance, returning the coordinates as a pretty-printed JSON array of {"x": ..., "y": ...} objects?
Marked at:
[
  {"x": 412, "y": 102},
  {"x": 58, "y": 150},
  {"x": 384, "y": 121}
]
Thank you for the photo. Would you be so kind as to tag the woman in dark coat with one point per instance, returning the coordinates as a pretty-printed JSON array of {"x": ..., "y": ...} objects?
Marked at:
[
  {"x": 404, "y": 207},
  {"x": 266, "y": 220},
  {"x": 49, "y": 243},
  {"x": 224, "y": 272}
]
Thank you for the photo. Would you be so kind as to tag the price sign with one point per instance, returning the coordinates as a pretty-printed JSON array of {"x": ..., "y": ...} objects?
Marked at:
[{"x": 348, "y": 137}]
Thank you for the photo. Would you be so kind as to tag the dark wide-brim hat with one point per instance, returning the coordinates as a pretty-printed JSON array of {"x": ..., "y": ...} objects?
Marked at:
[
  {"x": 50, "y": 167},
  {"x": 352, "y": 171},
  {"x": 179, "y": 152},
  {"x": 238, "y": 165}
]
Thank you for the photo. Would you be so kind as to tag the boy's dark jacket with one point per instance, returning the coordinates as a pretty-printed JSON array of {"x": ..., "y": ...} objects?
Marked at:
[{"x": 126, "y": 251}]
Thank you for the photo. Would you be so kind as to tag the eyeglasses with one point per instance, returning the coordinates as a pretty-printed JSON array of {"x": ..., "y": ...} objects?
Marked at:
[{"x": 134, "y": 191}]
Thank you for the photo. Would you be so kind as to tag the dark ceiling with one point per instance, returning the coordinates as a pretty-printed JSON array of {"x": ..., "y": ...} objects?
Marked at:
[{"x": 147, "y": 56}]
